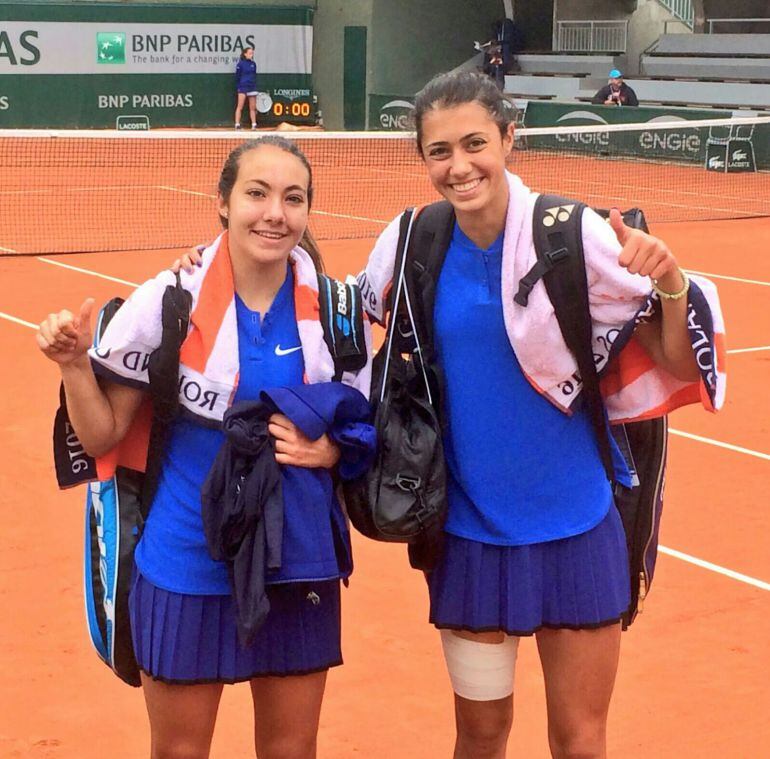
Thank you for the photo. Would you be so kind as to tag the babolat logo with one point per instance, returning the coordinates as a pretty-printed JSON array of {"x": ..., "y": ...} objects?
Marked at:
[
  {"x": 558, "y": 213},
  {"x": 341, "y": 319},
  {"x": 396, "y": 114},
  {"x": 104, "y": 573},
  {"x": 110, "y": 47}
]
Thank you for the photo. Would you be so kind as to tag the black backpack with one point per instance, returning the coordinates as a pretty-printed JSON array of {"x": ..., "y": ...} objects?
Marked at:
[
  {"x": 559, "y": 246},
  {"x": 117, "y": 507}
]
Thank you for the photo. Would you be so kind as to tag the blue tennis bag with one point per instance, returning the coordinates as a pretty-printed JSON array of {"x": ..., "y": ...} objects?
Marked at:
[{"x": 117, "y": 503}]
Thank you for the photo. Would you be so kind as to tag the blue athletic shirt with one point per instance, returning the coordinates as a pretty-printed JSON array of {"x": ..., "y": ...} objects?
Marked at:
[
  {"x": 172, "y": 553},
  {"x": 246, "y": 75},
  {"x": 520, "y": 470}
]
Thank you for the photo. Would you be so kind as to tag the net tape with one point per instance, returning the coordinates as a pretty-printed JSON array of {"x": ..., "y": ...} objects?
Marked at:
[{"x": 76, "y": 191}]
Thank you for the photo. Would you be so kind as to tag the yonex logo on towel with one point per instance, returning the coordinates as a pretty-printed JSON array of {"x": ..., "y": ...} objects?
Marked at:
[
  {"x": 558, "y": 213},
  {"x": 110, "y": 47}
]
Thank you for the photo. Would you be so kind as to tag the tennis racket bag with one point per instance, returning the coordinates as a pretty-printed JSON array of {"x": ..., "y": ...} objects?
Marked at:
[
  {"x": 117, "y": 506},
  {"x": 559, "y": 246}
]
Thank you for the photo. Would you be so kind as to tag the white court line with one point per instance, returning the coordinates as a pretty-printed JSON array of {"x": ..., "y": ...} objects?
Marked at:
[
  {"x": 185, "y": 192},
  {"x": 50, "y": 190},
  {"x": 720, "y": 444},
  {"x": 87, "y": 271},
  {"x": 732, "y": 279},
  {"x": 8, "y": 250},
  {"x": 348, "y": 216},
  {"x": 16, "y": 320},
  {"x": 761, "y": 584},
  {"x": 314, "y": 211},
  {"x": 749, "y": 350}
]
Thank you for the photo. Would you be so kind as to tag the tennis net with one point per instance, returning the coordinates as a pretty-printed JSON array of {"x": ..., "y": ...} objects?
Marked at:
[{"x": 79, "y": 191}]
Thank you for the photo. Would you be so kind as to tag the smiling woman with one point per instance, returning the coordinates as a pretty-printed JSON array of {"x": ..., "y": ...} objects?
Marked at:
[
  {"x": 264, "y": 198},
  {"x": 254, "y": 373},
  {"x": 534, "y": 544}
]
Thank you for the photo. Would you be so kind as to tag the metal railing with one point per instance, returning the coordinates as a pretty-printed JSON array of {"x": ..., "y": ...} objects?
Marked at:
[
  {"x": 592, "y": 36},
  {"x": 682, "y": 9},
  {"x": 734, "y": 22}
]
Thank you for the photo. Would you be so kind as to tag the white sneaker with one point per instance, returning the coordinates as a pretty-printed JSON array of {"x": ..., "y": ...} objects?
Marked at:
[
  {"x": 237, "y": 126},
  {"x": 253, "y": 126}
]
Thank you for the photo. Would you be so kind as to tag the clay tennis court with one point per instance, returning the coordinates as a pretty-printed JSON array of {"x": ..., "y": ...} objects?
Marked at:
[{"x": 693, "y": 672}]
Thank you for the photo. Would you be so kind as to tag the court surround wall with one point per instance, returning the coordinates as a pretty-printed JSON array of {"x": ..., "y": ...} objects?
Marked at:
[{"x": 408, "y": 41}]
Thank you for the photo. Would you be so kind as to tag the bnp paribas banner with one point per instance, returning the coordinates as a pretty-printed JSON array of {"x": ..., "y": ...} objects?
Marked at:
[{"x": 75, "y": 66}]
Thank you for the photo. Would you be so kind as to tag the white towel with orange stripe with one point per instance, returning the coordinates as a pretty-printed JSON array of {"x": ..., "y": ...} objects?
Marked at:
[
  {"x": 633, "y": 387},
  {"x": 208, "y": 372}
]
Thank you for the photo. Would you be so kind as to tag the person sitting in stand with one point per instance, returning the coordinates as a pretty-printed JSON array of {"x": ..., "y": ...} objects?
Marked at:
[{"x": 615, "y": 92}]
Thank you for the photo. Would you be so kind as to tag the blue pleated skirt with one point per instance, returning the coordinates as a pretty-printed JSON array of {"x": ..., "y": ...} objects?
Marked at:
[
  {"x": 580, "y": 582},
  {"x": 180, "y": 638}
]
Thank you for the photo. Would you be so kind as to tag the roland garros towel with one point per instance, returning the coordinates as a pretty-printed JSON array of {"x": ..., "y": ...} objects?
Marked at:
[
  {"x": 633, "y": 386},
  {"x": 208, "y": 372}
]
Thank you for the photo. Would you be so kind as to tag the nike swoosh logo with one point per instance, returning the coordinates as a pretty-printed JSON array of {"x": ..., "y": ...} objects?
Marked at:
[{"x": 285, "y": 351}]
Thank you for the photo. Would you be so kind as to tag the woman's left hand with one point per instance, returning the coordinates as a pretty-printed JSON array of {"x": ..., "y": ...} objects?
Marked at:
[
  {"x": 294, "y": 448},
  {"x": 646, "y": 255}
]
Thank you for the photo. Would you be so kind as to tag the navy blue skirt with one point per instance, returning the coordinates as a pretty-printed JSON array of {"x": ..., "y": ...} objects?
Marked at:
[
  {"x": 579, "y": 582},
  {"x": 186, "y": 639}
]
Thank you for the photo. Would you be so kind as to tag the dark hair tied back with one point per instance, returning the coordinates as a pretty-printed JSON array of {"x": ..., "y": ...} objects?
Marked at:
[
  {"x": 457, "y": 88},
  {"x": 229, "y": 175}
]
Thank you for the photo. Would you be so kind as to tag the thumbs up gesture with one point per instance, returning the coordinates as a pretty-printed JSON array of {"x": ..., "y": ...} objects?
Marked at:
[
  {"x": 64, "y": 337},
  {"x": 646, "y": 255}
]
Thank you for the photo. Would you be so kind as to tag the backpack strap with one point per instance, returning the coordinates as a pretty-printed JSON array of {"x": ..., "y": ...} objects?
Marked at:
[
  {"x": 558, "y": 238},
  {"x": 429, "y": 242},
  {"x": 163, "y": 372},
  {"x": 342, "y": 318}
]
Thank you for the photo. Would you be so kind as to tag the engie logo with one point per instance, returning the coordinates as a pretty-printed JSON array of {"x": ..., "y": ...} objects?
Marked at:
[
  {"x": 670, "y": 142},
  {"x": 396, "y": 114},
  {"x": 110, "y": 47}
]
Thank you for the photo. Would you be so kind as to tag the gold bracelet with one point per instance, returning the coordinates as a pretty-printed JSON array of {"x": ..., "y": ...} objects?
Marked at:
[{"x": 677, "y": 295}]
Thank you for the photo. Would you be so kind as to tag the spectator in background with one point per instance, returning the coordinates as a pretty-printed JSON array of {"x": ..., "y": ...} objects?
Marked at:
[
  {"x": 493, "y": 64},
  {"x": 509, "y": 35},
  {"x": 246, "y": 86},
  {"x": 615, "y": 92}
]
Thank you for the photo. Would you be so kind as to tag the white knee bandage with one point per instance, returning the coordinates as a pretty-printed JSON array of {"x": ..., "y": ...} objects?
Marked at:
[{"x": 480, "y": 671}]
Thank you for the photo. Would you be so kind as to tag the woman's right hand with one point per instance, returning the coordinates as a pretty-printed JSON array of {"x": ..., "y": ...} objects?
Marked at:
[
  {"x": 64, "y": 337},
  {"x": 188, "y": 261}
]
